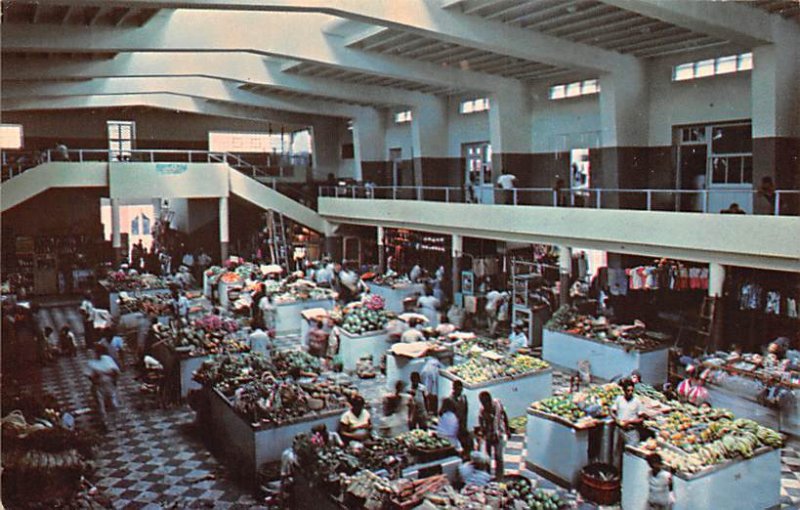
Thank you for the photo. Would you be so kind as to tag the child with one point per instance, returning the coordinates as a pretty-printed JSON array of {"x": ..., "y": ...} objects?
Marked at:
[{"x": 660, "y": 483}]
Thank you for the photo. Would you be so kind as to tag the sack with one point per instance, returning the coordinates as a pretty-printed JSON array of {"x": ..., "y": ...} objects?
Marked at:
[{"x": 585, "y": 371}]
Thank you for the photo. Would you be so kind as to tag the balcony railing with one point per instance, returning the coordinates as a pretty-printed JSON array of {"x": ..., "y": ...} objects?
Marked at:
[
  {"x": 275, "y": 165},
  {"x": 784, "y": 202}
]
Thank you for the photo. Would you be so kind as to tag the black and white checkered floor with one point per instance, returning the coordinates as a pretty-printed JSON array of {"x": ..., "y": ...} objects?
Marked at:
[{"x": 153, "y": 458}]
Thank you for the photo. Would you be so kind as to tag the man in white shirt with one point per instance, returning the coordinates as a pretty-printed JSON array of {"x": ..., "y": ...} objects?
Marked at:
[
  {"x": 88, "y": 313},
  {"x": 517, "y": 339},
  {"x": 627, "y": 412},
  {"x": 506, "y": 182},
  {"x": 415, "y": 274}
]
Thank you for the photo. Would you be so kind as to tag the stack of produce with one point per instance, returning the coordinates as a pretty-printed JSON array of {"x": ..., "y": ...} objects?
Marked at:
[
  {"x": 475, "y": 346},
  {"x": 288, "y": 361},
  {"x": 424, "y": 440},
  {"x": 152, "y": 304},
  {"x": 479, "y": 369},
  {"x": 693, "y": 439},
  {"x": 214, "y": 323},
  {"x": 119, "y": 281},
  {"x": 358, "y": 318},
  {"x": 515, "y": 494},
  {"x": 581, "y": 407},
  {"x": 260, "y": 394},
  {"x": 198, "y": 341},
  {"x": 291, "y": 291},
  {"x": 568, "y": 319}
]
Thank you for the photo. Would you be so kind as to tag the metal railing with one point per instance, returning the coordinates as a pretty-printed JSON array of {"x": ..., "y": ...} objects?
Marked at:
[
  {"x": 274, "y": 165},
  {"x": 783, "y": 202}
]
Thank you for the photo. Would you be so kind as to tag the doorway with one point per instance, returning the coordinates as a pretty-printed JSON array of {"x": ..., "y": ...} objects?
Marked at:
[
  {"x": 121, "y": 138},
  {"x": 478, "y": 172},
  {"x": 580, "y": 176}
]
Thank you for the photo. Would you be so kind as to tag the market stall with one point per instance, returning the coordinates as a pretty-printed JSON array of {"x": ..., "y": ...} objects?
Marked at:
[
  {"x": 394, "y": 292},
  {"x": 403, "y": 359},
  {"x": 752, "y": 386},
  {"x": 717, "y": 461},
  {"x": 613, "y": 351},
  {"x": 514, "y": 380},
  {"x": 361, "y": 331},
  {"x": 253, "y": 413},
  {"x": 140, "y": 285}
]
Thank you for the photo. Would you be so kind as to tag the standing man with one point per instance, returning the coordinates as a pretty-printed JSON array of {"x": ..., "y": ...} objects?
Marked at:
[
  {"x": 88, "y": 313},
  {"x": 493, "y": 428},
  {"x": 627, "y": 412},
  {"x": 462, "y": 411},
  {"x": 506, "y": 182},
  {"x": 419, "y": 393}
]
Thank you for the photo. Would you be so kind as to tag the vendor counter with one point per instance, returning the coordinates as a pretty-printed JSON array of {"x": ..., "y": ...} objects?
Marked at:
[
  {"x": 556, "y": 448},
  {"x": 354, "y": 347},
  {"x": 741, "y": 484},
  {"x": 393, "y": 296},
  {"x": 245, "y": 446},
  {"x": 113, "y": 298},
  {"x": 186, "y": 365},
  {"x": 399, "y": 368},
  {"x": 516, "y": 393},
  {"x": 287, "y": 315},
  {"x": 608, "y": 360}
]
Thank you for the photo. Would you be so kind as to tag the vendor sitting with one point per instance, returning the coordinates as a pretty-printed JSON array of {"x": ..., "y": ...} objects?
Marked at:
[
  {"x": 476, "y": 471},
  {"x": 356, "y": 423}
]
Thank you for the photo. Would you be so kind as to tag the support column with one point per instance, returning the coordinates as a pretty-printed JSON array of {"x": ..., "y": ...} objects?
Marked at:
[
  {"x": 716, "y": 279},
  {"x": 369, "y": 140},
  {"x": 776, "y": 117},
  {"x": 224, "y": 233},
  {"x": 429, "y": 137},
  {"x": 116, "y": 231},
  {"x": 565, "y": 273},
  {"x": 381, "y": 251},
  {"x": 624, "y": 134},
  {"x": 456, "y": 252},
  {"x": 510, "y": 125}
]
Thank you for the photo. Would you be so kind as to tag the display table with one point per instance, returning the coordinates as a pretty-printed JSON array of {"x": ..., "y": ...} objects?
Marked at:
[
  {"x": 608, "y": 360},
  {"x": 393, "y": 296},
  {"x": 244, "y": 446},
  {"x": 186, "y": 366},
  {"x": 516, "y": 393},
  {"x": 354, "y": 347},
  {"x": 556, "y": 448},
  {"x": 399, "y": 368},
  {"x": 742, "y": 484},
  {"x": 287, "y": 315}
]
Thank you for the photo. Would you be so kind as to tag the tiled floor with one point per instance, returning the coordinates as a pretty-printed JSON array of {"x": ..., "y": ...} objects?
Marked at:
[{"x": 153, "y": 458}]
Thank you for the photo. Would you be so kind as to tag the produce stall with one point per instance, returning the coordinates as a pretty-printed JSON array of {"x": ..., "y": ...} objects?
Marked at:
[
  {"x": 756, "y": 387},
  {"x": 514, "y": 380},
  {"x": 561, "y": 430},
  {"x": 403, "y": 359},
  {"x": 141, "y": 285},
  {"x": 361, "y": 331},
  {"x": 253, "y": 413},
  {"x": 717, "y": 461},
  {"x": 393, "y": 294},
  {"x": 287, "y": 314}
]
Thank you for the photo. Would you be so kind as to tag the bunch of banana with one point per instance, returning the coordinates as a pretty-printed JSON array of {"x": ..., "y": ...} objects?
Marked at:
[
  {"x": 769, "y": 437},
  {"x": 746, "y": 425}
]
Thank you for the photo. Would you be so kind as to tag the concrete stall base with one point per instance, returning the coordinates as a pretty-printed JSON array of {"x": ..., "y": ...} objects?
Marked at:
[
  {"x": 608, "y": 360},
  {"x": 557, "y": 449},
  {"x": 244, "y": 446},
  {"x": 515, "y": 393},
  {"x": 287, "y": 315},
  {"x": 399, "y": 368},
  {"x": 742, "y": 484},
  {"x": 393, "y": 297},
  {"x": 354, "y": 347},
  {"x": 188, "y": 367}
]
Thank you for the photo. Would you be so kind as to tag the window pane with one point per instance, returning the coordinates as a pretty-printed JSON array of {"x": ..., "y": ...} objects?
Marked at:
[
  {"x": 574, "y": 89},
  {"x": 704, "y": 68},
  {"x": 747, "y": 169},
  {"x": 683, "y": 72},
  {"x": 732, "y": 139},
  {"x": 590, "y": 87},
  {"x": 558, "y": 92},
  {"x": 734, "y": 170},
  {"x": 726, "y": 64},
  {"x": 113, "y": 131},
  {"x": 719, "y": 167},
  {"x": 745, "y": 61},
  {"x": 466, "y": 107},
  {"x": 10, "y": 136}
]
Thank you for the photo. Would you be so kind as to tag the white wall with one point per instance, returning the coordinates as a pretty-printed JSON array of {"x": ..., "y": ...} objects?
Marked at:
[
  {"x": 470, "y": 128},
  {"x": 563, "y": 124},
  {"x": 712, "y": 99},
  {"x": 398, "y": 136}
]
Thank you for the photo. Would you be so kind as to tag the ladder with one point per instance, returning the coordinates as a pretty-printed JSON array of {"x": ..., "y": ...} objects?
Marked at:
[
  {"x": 705, "y": 339},
  {"x": 278, "y": 248}
]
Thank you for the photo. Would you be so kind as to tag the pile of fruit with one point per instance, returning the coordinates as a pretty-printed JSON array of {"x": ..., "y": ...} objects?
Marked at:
[
  {"x": 359, "y": 319},
  {"x": 199, "y": 342},
  {"x": 574, "y": 407},
  {"x": 153, "y": 304},
  {"x": 328, "y": 462},
  {"x": 119, "y": 281},
  {"x": 287, "y": 361},
  {"x": 692, "y": 439},
  {"x": 213, "y": 322},
  {"x": 272, "y": 401},
  {"x": 474, "y": 346},
  {"x": 635, "y": 335},
  {"x": 479, "y": 369},
  {"x": 519, "y": 491},
  {"x": 229, "y": 371},
  {"x": 424, "y": 440}
]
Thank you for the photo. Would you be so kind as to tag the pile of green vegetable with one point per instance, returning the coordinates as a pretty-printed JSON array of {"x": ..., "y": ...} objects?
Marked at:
[
  {"x": 480, "y": 369},
  {"x": 358, "y": 320}
]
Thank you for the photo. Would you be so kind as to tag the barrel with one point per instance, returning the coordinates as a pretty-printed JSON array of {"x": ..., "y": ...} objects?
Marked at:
[{"x": 599, "y": 490}]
